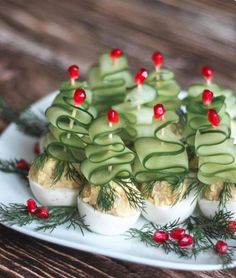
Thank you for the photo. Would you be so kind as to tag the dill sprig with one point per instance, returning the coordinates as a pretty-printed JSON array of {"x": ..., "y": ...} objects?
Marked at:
[
  {"x": 106, "y": 197},
  {"x": 27, "y": 121},
  {"x": 205, "y": 233},
  {"x": 10, "y": 166},
  {"x": 225, "y": 194},
  {"x": 17, "y": 214},
  {"x": 108, "y": 194}
]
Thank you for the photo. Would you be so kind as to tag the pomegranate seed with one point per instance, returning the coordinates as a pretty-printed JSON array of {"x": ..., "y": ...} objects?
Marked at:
[
  {"x": 31, "y": 206},
  {"x": 185, "y": 241},
  {"x": 221, "y": 247},
  {"x": 140, "y": 76},
  {"x": 73, "y": 71},
  {"x": 116, "y": 53},
  {"x": 207, "y": 72},
  {"x": 42, "y": 212},
  {"x": 79, "y": 96},
  {"x": 160, "y": 236},
  {"x": 232, "y": 226},
  {"x": 157, "y": 58},
  {"x": 207, "y": 97},
  {"x": 213, "y": 117},
  {"x": 112, "y": 116},
  {"x": 22, "y": 164},
  {"x": 158, "y": 111},
  {"x": 177, "y": 233}
]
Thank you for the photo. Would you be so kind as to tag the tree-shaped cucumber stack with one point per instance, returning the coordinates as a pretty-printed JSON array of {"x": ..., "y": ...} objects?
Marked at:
[
  {"x": 195, "y": 92},
  {"x": 217, "y": 162},
  {"x": 160, "y": 168},
  {"x": 163, "y": 81},
  {"x": 135, "y": 110},
  {"x": 55, "y": 175},
  {"x": 109, "y": 79},
  {"x": 109, "y": 200}
]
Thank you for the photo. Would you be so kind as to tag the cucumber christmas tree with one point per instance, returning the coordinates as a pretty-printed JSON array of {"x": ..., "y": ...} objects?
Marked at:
[
  {"x": 109, "y": 79},
  {"x": 69, "y": 117},
  {"x": 108, "y": 163},
  {"x": 163, "y": 81}
]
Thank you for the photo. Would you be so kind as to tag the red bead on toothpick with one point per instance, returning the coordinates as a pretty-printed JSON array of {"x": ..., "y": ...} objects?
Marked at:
[
  {"x": 207, "y": 97},
  {"x": 213, "y": 117},
  {"x": 79, "y": 96},
  {"x": 73, "y": 71},
  {"x": 159, "y": 111},
  {"x": 112, "y": 116},
  {"x": 157, "y": 59},
  {"x": 116, "y": 53},
  {"x": 140, "y": 76},
  {"x": 207, "y": 73}
]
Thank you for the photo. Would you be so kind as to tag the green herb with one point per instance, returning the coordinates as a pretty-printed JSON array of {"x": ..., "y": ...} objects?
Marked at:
[
  {"x": 17, "y": 214},
  {"x": 27, "y": 121},
  {"x": 10, "y": 166}
]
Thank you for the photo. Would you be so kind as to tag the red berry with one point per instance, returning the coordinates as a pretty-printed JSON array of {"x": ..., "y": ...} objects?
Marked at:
[
  {"x": 42, "y": 212},
  {"x": 160, "y": 236},
  {"x": 140, "y": 76},
  {"x": 112, "y": 116},
  {"x": 213, "y": 117},
  {"x": 36, "y": 148},
  {"x": 185, "y": 241},
  {"x": 79, "y": 96},
  {"x": 177, "y": 233},
  {"x": 73, "y": 71},
  {"x": 31, "y": 206},
  {"x": 158, "y": 111},
  {"x": 207, "y": 97},
  {"x": 116, "y": 53},
  {"x": 232, "y": 226},
  {"x": 22, "y": 164},
  {"x": 157, "y": 58},
  {"x": 207, "y": 72},
  {"x": 221, "y": 247}
]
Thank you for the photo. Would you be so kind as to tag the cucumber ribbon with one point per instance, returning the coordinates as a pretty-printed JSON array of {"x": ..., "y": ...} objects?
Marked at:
[
  {"x": 108, "y": 81},
  {"x": 162, "y": 156},
  {"x": 105, "y": 152},
  {"x": 63, "y": 142}
]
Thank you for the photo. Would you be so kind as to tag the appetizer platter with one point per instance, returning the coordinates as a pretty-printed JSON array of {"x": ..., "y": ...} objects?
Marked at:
[{"x": 127, "y": 166}]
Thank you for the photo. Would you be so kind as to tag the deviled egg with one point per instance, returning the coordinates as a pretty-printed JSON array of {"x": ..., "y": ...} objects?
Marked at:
[
  {"x": 164, "y": 205},
  {"x": 63, "y": 192},
  {"x": 118, "y": 219},
  {"x": 210, "y": 202}
]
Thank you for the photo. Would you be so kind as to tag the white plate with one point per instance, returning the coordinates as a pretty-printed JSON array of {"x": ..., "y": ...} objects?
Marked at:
[{"x": 13, "y": 144}]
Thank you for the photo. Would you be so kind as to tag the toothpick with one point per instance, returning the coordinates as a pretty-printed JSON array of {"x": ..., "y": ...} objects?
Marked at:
[{"x": 71, "y": 124}]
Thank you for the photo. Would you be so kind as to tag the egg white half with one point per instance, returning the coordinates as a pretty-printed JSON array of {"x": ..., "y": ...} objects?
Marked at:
[
  {"x": 103, "y": 223},
  {"x": 62, "y": 196},
  {"x": 210, "y": 208},
  {"x": 165, "y": 214}
]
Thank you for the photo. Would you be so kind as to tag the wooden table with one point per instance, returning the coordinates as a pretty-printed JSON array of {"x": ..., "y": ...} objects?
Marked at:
[{"x": 39, "y": 39}]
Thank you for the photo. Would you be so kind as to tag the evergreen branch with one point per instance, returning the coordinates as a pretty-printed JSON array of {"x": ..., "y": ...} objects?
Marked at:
[
  {"x": 27, "y": 121},
  {"x": 17, "y": 214},
  {"x": 10, "y": 166},
  {"x": 31, "y": 124}
]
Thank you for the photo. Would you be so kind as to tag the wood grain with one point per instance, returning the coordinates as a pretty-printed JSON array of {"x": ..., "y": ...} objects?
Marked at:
[{"x": 39, "y": 39}]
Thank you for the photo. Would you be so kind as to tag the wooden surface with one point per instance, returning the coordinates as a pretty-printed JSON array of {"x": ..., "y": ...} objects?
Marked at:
[{"x": 39, "y": 39}]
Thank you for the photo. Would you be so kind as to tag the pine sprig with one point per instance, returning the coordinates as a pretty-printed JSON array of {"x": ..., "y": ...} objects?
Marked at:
[
  {"x": 27, "y": 121},
  {"x": 17, "y": 214},
  {"x": 10, "y": 166}
]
